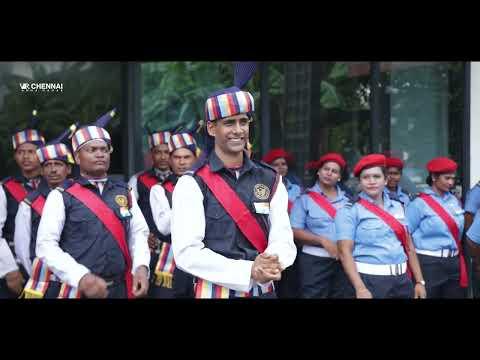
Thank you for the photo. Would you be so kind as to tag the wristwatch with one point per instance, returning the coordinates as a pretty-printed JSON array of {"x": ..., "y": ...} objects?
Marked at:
[{"x": 421, "y": 282}]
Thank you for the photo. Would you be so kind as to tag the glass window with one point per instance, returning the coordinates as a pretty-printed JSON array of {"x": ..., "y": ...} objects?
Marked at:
[{"x": 424, "y": 102}]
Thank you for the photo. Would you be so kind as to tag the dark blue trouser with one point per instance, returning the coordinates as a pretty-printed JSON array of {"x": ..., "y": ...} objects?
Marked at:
[
  {"x": 182, "y": 283},
  {"x": 386, "y": 286},
  {"x": 442, "y": 277},
  {"x": 289, "y": 286},
  {"x": 5, "y": 292},
  {"x": 321, "y": 277}
]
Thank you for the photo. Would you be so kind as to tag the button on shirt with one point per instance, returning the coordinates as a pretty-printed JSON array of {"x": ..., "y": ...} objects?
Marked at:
[
  {"x": 307, "y": 215},
  {"x": 429, "y": 231},
  {"x": 374, "y": 241},
  {"x": 7, "y": 260}
]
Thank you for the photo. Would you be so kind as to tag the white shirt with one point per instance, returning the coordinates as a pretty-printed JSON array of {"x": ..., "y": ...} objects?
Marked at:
[
  {"x": 133, "y": 183},
  {"x": 161, "y": 210},
  {"x": 63, "y": 264},
  {"x": 7, "y": 260},
  {"x": 22, "y": 237},
  {"x": 188, "y": 232}
]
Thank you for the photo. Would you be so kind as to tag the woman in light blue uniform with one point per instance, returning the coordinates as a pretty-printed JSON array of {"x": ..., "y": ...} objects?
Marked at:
[
  {"x": 394, "y": 174},
  {"x": 320, "y": 273},
  {"x": 280, "y": 160},
  {"x": 373, "y": 242},
  {"x": 435, "y": 244}
]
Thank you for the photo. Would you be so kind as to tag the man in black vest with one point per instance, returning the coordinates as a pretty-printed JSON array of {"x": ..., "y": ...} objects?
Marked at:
[
  {"x": 92, "y": 234},
  {"x": 56, "y": 160},
  {"x": 169, "y": 280},
  {"x": 142, "y": 184},
  {"x": 230, "y": 227},
  {"x": 12, "y": 192}
]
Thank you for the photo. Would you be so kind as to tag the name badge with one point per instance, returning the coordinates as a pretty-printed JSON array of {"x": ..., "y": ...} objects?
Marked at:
[
  {"x": 262, "y": 207},
  {"x": 124, "y": 212}
]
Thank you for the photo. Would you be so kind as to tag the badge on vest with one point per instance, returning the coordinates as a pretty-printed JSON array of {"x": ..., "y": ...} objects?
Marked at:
[
  {"x": 261, "y": 191},
  {"x": 121, "y": 200},
  {"x": 262, "y": 207}
]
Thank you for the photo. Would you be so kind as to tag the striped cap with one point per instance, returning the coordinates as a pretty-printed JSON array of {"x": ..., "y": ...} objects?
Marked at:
[
  {"x": 182, "y": 140},
  {"x": 160, "y": 137},
  {"x": 27, "y": 136},
  {"x": 55, "y": 152},
  {"x": 89, "y": 133},
  {"x": 228, "y": 102}
]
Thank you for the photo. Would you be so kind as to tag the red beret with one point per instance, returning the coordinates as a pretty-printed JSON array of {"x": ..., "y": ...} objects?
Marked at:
[
  {"x": 369, "y": 161},
  {"x": 335, "y": 157},
  {"x": 274, "y": 154},
  {"x": 394, "y": 162},
  {"x": 441, "y": 165}
]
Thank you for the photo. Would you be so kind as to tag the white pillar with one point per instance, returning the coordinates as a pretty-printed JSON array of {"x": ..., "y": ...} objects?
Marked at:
[{"x": 474, "y": 122}]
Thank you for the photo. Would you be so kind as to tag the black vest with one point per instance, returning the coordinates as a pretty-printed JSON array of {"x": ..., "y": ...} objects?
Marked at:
[
  {"x": 221, "y": 233},
  {"x": 85, "y": 237},
  {"x": 144, "y": 205}
]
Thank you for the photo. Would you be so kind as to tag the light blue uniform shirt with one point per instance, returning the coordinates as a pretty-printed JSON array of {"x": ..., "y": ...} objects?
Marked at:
[
  {"x": 293, "y": 190},
  {"x": 429, "y": 231},
  {"x": 398, "y": 195},
  {"x": 473, "y": 231},
  {"x": 374, "y": 241},
  {"x": 307, "y": 215},
  {"x": 472, "y": 202}
]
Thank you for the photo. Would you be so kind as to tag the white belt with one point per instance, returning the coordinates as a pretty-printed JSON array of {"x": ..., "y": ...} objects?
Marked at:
[
  {"x": 316, "y": 251},
  {"x": 444, "y": 253},
  {"x": 375, "y": 269}
]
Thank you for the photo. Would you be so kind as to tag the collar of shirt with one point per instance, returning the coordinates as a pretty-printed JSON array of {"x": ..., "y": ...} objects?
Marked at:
[
  {"x": 340, "y": 193},
  {"x": 387, "y": 203},
  {"x": 93, "y": 182},
  {"x": 162, "y": 175},
  {"x": 216, "y": 164}
]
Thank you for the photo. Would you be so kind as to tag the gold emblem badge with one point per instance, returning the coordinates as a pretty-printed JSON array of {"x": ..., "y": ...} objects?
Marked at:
[
  {"x": 121, "y": 200},
  {"x": 261, "y": 191}
]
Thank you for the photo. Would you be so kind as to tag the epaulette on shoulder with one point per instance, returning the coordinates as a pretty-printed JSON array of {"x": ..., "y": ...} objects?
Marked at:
[
  {"x": 397, "y": 201},
  {"x": 412, "y": 196},
  {"x": 352, "y": 199}
]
